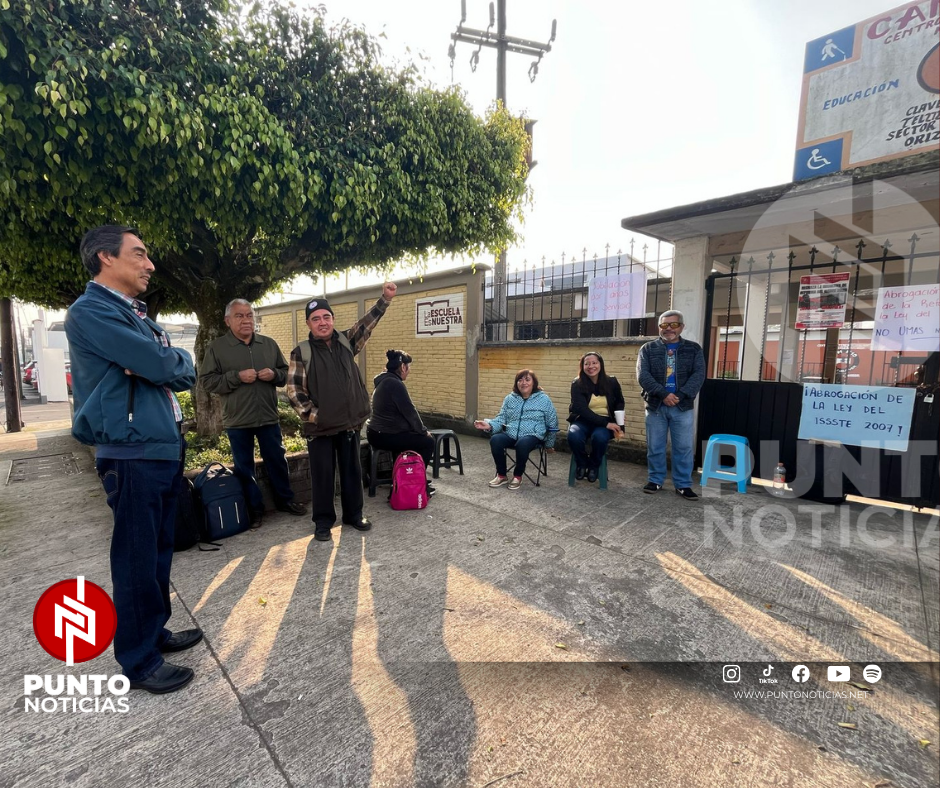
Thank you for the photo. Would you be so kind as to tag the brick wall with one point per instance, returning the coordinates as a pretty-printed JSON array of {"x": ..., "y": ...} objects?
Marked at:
[
  {"x": 278, "y": 326},
  {"x": 556, "y": 365},
  {"x": 437, "y": 383}
]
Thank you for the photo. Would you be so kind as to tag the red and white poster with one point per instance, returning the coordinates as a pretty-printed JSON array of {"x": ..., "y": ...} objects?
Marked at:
[{"x": 822, "y": 301}]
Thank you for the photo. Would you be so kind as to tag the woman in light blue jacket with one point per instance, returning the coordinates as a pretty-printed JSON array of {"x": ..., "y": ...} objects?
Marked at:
[{"x": 526, "y": 419}]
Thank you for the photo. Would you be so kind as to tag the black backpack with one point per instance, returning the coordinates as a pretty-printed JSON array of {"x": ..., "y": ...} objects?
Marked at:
[
  {"x": 223, "y": 502},
  {"x": 189, "y": 517}
]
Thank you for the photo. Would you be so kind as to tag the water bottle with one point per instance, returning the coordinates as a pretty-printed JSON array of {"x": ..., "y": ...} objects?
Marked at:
[{"x": 780, "y": 480}]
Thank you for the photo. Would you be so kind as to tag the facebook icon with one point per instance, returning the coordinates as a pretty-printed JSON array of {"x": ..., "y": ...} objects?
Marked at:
[{"x": 800, "y": 674}]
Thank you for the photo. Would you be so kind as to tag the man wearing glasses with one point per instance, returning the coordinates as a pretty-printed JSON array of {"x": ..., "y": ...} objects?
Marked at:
[
  {"x": 245, "y": 369},
  {"x": 670, "y": 371}
]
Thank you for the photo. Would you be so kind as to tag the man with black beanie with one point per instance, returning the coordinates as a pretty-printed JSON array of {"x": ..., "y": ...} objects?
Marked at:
[{"x": 326, "y": 388}]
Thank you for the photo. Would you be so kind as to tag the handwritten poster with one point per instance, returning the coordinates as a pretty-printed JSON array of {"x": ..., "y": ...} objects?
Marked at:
[
  {"x": 907, "y": 318},
  {"x": 874, "y": 416},
  {"x": 821, "y": 301},
  {"x": 617, "y": 297}
]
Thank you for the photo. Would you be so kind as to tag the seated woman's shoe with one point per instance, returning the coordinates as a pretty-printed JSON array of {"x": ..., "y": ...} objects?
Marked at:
[
  {"x": 592, "y": 475},
  {"x": 580, "y": 473}
]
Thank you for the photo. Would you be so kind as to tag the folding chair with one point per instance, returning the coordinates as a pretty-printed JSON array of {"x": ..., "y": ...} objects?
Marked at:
[{"x": 540, "y": 465}]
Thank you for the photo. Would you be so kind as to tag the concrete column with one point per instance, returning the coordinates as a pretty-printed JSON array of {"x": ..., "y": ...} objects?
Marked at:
[
  {"x": 754, "y": 319},
  {"x": 690, "y": 269},
  {"x": 473, "y": 322}
]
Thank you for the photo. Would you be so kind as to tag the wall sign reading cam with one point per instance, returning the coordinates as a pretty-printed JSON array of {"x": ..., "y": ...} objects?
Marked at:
[{"x": 441, "y": 316}]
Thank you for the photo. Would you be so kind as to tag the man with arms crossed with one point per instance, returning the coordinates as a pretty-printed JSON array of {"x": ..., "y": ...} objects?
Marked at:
[{"x": 124, "y": 375}]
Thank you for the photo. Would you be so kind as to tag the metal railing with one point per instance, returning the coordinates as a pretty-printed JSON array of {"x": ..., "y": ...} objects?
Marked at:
[
  {"x": 754, "y": 304},
  {"x": 549, "y": 300}
]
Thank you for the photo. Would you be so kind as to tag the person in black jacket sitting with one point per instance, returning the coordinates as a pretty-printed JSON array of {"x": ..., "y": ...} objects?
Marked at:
[
  {"x": 395, "y": 424},
  {"x": 595, "y": 397}
]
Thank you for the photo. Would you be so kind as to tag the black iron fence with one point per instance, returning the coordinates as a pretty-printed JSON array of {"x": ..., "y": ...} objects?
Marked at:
[
  {"x": 549, "y": 300},
  {"x": 755, "y": 328}
]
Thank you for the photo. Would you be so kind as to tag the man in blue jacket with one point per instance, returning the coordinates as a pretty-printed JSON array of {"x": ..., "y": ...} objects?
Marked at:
[
  {"x": 671, "y": 371},
  {"x": 124, "y": 375}
]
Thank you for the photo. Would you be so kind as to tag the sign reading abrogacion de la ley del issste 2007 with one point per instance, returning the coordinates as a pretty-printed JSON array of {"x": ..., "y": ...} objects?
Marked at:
[
  {"x": 876, "y": 416},
  {"x": 871, "y": 92}
]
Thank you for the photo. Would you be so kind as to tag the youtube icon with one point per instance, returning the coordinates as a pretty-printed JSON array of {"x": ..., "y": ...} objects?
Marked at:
[{"x": 839, "y": 673}]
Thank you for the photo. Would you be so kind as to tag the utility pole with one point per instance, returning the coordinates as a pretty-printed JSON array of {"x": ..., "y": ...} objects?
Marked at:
[{"x": 502, "y": 44}]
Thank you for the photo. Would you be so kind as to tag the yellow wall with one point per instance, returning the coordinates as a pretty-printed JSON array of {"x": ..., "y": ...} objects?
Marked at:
[
  {"x": 437, "y": 383},
  {"x": 556, "y": 366},
  {"x": 277, "y": 325}
]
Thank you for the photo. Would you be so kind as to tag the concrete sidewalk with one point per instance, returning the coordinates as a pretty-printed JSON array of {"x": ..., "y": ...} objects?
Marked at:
[{"x": 552, "y": 636}]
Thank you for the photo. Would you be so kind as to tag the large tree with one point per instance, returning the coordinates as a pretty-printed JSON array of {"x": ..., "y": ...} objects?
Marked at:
[{"x": 249, "y": 145}]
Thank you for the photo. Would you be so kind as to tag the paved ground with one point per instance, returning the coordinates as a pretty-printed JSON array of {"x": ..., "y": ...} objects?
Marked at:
[{"x": 546, "y": 637}]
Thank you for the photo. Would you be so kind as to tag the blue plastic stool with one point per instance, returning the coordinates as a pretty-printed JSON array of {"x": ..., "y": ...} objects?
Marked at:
[
  {"x": 740, "y": 472},
  {"x": 601, "y": 472}
]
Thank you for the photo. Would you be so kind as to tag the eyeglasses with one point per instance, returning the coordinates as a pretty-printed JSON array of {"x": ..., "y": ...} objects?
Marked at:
[{"x": 670, "y": 325}]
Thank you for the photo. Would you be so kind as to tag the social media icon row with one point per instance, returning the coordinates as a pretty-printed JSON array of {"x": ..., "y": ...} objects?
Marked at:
[{"x": 731, "y": 674}]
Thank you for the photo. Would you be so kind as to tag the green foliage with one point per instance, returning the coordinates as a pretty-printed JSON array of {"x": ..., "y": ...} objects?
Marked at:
[
  {"x": 247, "y": 147},
  {"x": 201, "y": 451},
  {"x": 185, "y": 400},
  {"x": 288, "y": 419}
]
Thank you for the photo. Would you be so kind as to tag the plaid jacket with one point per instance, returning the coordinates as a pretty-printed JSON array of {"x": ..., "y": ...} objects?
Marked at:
[{"x": 298, "y": 391}]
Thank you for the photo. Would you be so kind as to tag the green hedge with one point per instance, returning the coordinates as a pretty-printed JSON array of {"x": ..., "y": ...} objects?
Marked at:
[{"x": 201, "y": 451}]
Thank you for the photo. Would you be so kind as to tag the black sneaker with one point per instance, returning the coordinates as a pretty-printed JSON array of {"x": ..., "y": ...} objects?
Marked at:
[
  {"x": 362, "y": 524},
  {"x": 686, "y": 492},
  {"x": 652, "y": 487},
  {"x": 431, "y": 490},
  {"x": 296, "y": 509},
  {"x": 255, "y": 516}
]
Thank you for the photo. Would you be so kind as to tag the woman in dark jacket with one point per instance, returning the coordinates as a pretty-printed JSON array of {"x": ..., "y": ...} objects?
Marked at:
[
  {"x": 395, "y": 424},
  {"x": 595, "y": 397}
]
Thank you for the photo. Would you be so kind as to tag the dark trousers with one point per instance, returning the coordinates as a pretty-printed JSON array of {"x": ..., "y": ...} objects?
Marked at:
[
  {"x": 275, "y": 463},
  {"x": 578, "y": 435},
  {"x": 397, "y": 442},
  {"x": 523, "y": 446},
  {"x": 326, "y": 455},
  {"x": 142, "y": 495}
]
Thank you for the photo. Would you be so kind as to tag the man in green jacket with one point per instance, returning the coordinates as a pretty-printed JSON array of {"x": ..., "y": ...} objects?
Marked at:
[{"x": 245, "y": 369}]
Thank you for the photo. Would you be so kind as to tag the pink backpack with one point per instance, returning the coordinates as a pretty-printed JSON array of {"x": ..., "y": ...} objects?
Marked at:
[{"x": 409, "y": 487}]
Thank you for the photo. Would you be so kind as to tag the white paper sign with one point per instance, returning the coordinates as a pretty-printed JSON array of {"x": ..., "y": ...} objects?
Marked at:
[
  {"x": 907, "y": 318},
  {"x": 441, "y": 316},
  {"x": 617, "y": 297},
  {"x": 874, "y": 416}
]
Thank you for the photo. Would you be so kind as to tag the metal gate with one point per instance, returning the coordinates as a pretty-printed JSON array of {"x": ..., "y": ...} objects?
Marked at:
[{"x": 757, "y": 359}]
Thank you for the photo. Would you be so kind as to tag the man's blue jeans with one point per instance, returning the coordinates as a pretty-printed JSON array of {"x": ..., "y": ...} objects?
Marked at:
[
  {"x": 142, "y": 495},
  {"x": 275, "y": 463},
  {"x": 679, "y": 424},
  {"x": 578, "y": 435}
]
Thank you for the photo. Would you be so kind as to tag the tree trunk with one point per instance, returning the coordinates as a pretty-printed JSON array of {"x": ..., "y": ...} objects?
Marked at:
[
  {"x": 208, "y": 406},
  {"x": 10, "y": 367}
]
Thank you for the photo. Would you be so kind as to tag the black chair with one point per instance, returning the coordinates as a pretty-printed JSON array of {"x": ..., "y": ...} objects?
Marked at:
[
  {"x": 540, "y": 465},
  {"x": 376, "y": 464},
  {"x": 442, "y": 452}
]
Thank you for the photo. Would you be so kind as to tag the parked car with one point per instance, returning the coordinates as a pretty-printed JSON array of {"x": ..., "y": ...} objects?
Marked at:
[
  {"x": 28, "y": 371},
  {"x": 68, "y": 377}
]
